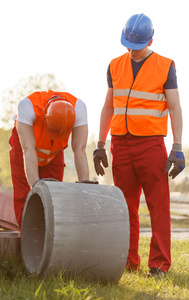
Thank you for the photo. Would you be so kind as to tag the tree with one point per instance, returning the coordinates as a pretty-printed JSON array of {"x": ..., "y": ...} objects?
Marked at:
[{"x": 24, "y": 87}]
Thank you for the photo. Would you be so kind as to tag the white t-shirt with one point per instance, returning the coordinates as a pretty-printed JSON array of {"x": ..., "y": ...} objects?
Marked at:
[{"x": 26, "y": 112}]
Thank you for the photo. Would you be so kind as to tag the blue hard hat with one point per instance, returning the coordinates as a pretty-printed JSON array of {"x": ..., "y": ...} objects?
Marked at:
[{"x": 138, "y": 32}]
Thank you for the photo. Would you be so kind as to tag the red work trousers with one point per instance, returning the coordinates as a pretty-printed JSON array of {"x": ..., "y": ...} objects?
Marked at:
[
  {"x": 21, "y": 188},
  {"x": 139, "y": 163}
]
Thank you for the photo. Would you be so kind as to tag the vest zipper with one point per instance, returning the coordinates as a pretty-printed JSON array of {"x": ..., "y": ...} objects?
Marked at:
[{"x": 127, "y": 106}]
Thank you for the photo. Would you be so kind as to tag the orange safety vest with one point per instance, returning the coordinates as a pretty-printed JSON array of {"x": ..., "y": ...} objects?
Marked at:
[
  {"x": 46, "y": 149},
  {"x": 140, "y": 105}
]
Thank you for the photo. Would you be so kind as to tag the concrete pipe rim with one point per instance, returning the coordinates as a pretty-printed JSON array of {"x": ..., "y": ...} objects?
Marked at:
[{"x": 38, "y": 215}]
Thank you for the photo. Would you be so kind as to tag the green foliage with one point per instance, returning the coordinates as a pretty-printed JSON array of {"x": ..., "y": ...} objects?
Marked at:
[
  {"x": 5, "y": 174},
  {"x": 15, "y": 284},
  {"x": 70, "y": 291}
]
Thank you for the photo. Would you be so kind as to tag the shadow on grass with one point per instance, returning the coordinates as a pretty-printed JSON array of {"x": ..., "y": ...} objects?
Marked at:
[{"x": 12, "y": 268}]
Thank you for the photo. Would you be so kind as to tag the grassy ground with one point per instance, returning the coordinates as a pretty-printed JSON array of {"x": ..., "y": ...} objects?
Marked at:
[{"x": 15, "y": 284}]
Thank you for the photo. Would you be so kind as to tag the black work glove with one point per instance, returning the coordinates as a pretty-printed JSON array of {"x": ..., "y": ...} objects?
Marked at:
[
  {"x": 99, "y": 156},
  {"x": 87, "y": 181},
  {"x": 44, "y": 179},
  {"x": 176, "y": 157}
]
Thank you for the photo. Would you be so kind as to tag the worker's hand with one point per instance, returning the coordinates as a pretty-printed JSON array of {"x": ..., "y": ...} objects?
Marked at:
[
  {"x": 44, "y": 179},
  {"x": 88, "y": 181},
  {"x": 176, "y": 158},
  {"x": 99, "y": 156}
]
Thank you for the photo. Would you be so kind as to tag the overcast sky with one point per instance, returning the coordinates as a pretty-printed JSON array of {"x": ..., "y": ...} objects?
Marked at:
[{"x": 76, "y": 39}]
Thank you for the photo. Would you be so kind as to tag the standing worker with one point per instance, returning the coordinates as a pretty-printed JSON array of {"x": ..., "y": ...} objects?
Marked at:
[
  {"x": 42, "y": 129},
  {"x": 142, "y": 89}
]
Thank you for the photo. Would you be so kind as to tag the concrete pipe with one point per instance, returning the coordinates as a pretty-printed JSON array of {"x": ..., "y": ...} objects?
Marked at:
[{"x": 79, "y": 228}]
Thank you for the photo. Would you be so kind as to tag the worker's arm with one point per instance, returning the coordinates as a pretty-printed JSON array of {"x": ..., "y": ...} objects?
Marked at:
[
  {"x": 176, "y": 157},
  {"x": 79, "y": 142},
  {"x": 27, "y": 140},
  {"x": 99, "y": 155},
  {"x": 175, "y": 113},
  {"x": 106, "y": 116}
]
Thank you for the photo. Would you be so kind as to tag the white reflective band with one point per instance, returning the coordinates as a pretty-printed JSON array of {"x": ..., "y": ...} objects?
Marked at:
[
  {"x": 121, "y": 92},
  {"x": 43, "y": 159},
  {"x": 139, "y": 94},
  {"x": 53, "y": 153},
  {"x": 43, "y": 151},
  {"x": 47, "y": 151},
  {"x": 140, "y": 112}
]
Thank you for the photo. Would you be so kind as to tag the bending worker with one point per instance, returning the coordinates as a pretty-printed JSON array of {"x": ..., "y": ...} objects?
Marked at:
[
  {"x": 42, "y": 129},
  {"x": 142, "y": 89}
]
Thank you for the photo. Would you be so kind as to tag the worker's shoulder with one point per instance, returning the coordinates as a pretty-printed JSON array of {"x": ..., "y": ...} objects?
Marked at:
[
  {"x": 162, "y": 57},
  {"x": 34, "y": 95},
  {"x": 119, "y": 57}
]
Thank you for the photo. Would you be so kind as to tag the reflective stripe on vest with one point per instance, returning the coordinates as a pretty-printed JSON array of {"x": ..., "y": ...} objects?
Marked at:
[
  {"x": 44, "y": 160},
  {"x": 139, "y": 94},
  {"x": 48, "y": 153},
  {"x": 140, "y": 111}
]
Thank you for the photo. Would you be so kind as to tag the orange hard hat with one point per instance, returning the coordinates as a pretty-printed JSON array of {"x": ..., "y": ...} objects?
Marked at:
[{"x": 59, "y": 116}]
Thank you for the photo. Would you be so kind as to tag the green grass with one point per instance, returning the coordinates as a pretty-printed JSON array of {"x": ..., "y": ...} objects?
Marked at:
[{"x": 16, "y": 284}]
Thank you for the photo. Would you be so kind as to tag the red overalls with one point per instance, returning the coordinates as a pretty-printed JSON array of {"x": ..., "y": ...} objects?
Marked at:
[
  {"x": 50, "y": 166},
  {"x": 139, "y": 153}
]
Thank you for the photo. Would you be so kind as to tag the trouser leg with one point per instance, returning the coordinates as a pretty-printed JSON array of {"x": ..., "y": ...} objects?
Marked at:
[
  {"x": 125, "y": 178},
  {"x": 21, "y": 188},
  {"x": 140, "y": 162},
  {"x": 19, "y": 181},
  {"x": 150, "y": 167}
]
